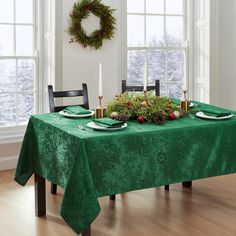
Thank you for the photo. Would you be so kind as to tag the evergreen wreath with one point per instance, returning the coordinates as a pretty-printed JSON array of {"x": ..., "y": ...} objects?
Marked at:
[{"x": 81, "y": 11}]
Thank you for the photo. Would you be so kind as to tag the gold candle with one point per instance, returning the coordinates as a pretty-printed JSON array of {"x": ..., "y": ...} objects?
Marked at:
[{"x": 100, "y": 112}]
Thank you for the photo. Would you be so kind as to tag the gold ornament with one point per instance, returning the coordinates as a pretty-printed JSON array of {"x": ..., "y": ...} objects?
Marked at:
[
  {"x": 114, "y": 115},
  {"x": 177, "y": 114}
]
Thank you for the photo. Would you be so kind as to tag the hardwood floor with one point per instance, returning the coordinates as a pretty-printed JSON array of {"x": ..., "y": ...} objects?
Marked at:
[{"x": 206, "y": 210}]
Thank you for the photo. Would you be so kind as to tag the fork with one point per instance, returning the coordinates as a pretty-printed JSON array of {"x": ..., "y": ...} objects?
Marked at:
[
  {"x": 194, "y": 117},
  {"x": 82, "y": 127}
]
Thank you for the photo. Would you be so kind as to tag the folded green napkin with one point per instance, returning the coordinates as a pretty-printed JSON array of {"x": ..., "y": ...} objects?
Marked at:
[
  {"x": 175, "y": 101},
  {"x": 76, "y": 110},
  {"x": 215, "y": 114},
  {"x": 108, "y": 122}
]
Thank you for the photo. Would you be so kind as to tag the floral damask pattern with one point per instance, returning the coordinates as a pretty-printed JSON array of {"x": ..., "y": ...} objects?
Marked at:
[{"x": 89, "y": 164}]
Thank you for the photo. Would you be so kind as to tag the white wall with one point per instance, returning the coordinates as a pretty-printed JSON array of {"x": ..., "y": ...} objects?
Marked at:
[
  {"x": 227, "y": 55},
  {"x": 81, "y": 65}
]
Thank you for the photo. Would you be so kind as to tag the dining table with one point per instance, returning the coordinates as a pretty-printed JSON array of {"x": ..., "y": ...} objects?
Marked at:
[{"x": 89, "y": 164}]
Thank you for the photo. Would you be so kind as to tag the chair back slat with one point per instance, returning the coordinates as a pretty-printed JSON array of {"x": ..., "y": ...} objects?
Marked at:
[
  {"x": 67, "y": 94},
  {"x": 73, "y": 93},
  {"x": 127, "y": 88},
  {"x": 85, "y": 96}
]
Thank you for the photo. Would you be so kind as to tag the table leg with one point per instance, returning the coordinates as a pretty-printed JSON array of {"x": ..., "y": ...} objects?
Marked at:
[
  {"x": 112, "y": 197},
  {"x": 40, "y": 197},
  {"x": 187, "y": 184},
  {"x": 53, "y": 189},
  {"x": 87, "y": 232}
]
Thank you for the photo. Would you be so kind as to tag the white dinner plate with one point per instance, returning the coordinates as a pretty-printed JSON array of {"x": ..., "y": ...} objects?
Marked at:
[
  {"x": 76, "y": 116},
  {"x": 201, "y": 114},
  {"x": 97, "y": 127}
]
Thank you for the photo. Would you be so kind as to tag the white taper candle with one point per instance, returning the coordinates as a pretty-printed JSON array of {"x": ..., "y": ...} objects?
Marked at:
[
  {"x": 145, "y": 77},
  {"x": 100, "y": 80}
]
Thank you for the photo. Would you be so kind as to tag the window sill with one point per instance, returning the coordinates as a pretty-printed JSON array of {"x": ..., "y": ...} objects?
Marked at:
[{"x": 13, "y": 134}]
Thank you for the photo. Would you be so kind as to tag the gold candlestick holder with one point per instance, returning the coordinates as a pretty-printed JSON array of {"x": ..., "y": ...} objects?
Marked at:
[
  {"x": 100, "y": 111},
  {"x": 145, "y": 102},
  {"x": 185, "y": 103},
  {"x": 145, "y": 94}
]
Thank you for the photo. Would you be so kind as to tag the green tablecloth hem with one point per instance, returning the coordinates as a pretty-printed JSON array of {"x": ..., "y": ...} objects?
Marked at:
[
  {"x": 75, "y": 227},
  {"x": 23, "y": 179},
  {"x": 164, "y": 183}
]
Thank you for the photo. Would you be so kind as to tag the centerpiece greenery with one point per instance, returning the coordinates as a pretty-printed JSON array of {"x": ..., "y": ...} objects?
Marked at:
[{"x": 143, "y": 107}]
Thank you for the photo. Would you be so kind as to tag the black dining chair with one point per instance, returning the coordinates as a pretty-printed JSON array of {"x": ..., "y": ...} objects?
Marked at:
[
  {"x": 129, "y": 88},
  {"x": 65, "y": 94}
]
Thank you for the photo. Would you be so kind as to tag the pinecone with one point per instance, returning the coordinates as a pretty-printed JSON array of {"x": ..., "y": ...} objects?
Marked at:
[
  {"x": 159, "y": 118},
  {"x": 124, "y": 118}
]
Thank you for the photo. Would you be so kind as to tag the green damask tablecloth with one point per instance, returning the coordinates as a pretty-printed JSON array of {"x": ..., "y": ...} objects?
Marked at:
[{"x": 89, "y": 164}]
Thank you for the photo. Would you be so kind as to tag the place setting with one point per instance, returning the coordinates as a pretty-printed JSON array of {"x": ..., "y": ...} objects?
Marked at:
[
  {"x": 212, "y": 115},
  {"x": 99, "y": 119},
  {"x": 107, "y": 124},
  {"x": 201, "y": 113}
]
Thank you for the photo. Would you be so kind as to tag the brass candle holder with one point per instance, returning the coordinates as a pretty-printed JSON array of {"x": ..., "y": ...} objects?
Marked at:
[
  {"x": 145, "y": 94},
  {"x": 145, "y": 102},
  {"x": 100, "y": 111},
  {"x": 184, "y": 104}
]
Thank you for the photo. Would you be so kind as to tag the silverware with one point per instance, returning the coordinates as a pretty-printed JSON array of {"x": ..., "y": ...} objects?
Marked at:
[
  {"x": 82, "y": 127},
  {"x": 195, "y": 105},
  {"x": 194, "y": 117}
]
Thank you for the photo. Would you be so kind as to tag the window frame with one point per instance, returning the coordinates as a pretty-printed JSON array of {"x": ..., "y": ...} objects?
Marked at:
[
  {"x": 14, "y": 134},
  {"x": 187, "y": 34}
]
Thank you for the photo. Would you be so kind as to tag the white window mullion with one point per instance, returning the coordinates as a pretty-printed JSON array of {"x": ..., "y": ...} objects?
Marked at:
[
  {"x": 166, "y": 51},
  {"x": 153, "y": 14},
  {"x": 14, "y": 26},
  {"x": 23, "y": 24},
  {"x": 166, "y": 74},
  {"x": 16, "y": 61},
  {"x": 186, "y": 84},
  {"x": 36, "y": 85},
  {"x": 36, "y": 61},
  {"x": 17, "y": 93},
  {"x": 17, "y": 57},
  {"x": 202, "y": 51},
  {"x": 145, "y": 24},
  {"x": 156, "y": 48},
  {"x": 145, "y": 43},
  {"x": 164, "y": 23}
]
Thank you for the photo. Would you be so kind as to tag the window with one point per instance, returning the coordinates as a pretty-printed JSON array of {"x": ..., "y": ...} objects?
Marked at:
[
  {"x": 18, "y": 62},
  {"x": 155, "y": 44}
]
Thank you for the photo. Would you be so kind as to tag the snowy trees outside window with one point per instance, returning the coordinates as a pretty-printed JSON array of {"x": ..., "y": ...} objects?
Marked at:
[
  {"x": 155, "y": 34},
  {"x": 17, "y": 62}
]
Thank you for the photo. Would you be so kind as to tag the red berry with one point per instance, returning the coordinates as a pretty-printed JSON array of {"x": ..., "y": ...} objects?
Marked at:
[
  {"x": 141, "y": 119},
  {"x": 171, "y": 116}
]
